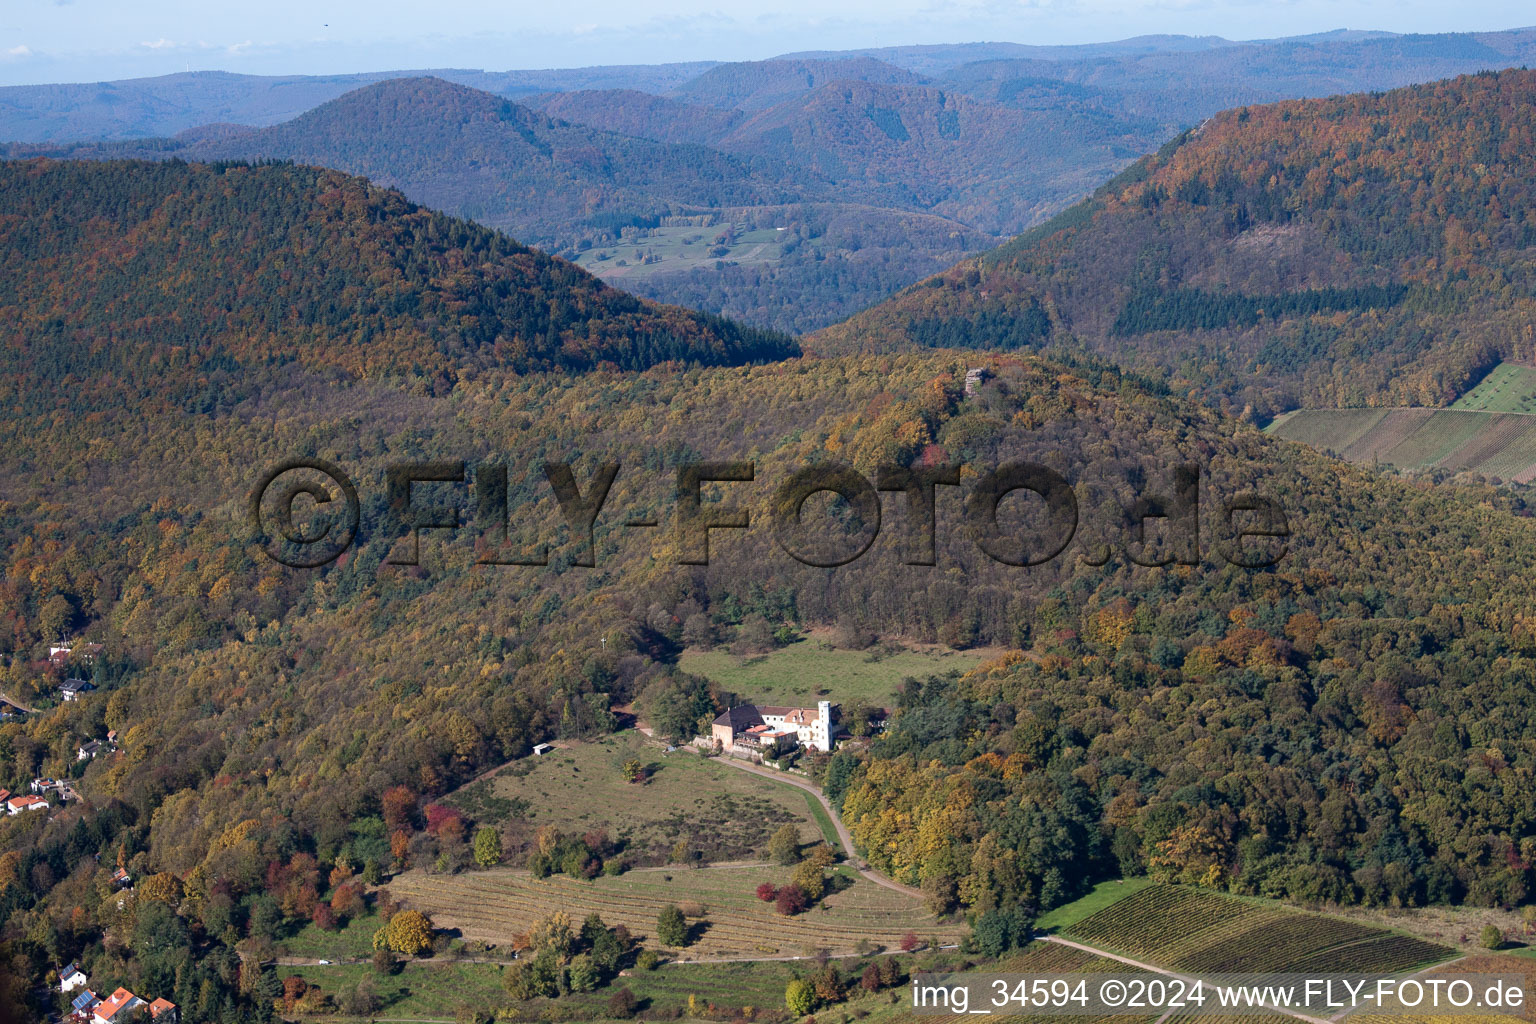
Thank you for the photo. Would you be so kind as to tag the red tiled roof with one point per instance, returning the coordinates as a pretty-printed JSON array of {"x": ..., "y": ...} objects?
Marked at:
[
  {"x": 121, "y": 998},
  {"x": 160, "y": 1005}
]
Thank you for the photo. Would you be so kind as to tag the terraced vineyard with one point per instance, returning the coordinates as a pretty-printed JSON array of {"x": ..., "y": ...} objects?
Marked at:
[
  {"x": 1478, "y": 963},
  {"x": 493, "y": 906},
  {"x": 1208, "y": 933},
  {"x": 1495, "y": 444}
]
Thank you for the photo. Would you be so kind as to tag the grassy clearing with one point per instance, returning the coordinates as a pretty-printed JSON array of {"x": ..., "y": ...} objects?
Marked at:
[
  {"x": 1508, "y": 387},
  {"x": 726, "y": 987},
  {"x": 353, "y": 940},
  {"x": 724, "y": 813},
  {"x": 436, "y": 990},
  {"x": 1102, "y": 895},
  {"x": 811, "y": 669},
  {"x": 492, "y": 906},
  {"x": 673, "y": 249},
  {"x": 1451, "y": 926},
  {"x": 823, "y": 822},
  {"x": 432, "y": 989}
]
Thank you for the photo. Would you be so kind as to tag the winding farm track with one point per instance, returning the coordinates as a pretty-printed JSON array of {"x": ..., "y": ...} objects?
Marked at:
[
  {"x": 1194, "y": 977},
  {"x": 857, "y": 862}
]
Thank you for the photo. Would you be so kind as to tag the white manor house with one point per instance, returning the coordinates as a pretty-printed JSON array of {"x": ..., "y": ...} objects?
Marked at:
[{"x": 751, "y": 726}]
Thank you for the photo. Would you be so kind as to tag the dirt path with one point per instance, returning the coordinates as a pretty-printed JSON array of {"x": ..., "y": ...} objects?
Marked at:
[
  {"x": 437, "y": 961},
  {"x": 781, "y": 959},
  {"x": 1169, "y": 974},
  {"x": 843, "y": 835}
]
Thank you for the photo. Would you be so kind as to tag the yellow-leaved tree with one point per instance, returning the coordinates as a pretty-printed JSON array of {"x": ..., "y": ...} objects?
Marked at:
[{"x": 408, "y": 932}]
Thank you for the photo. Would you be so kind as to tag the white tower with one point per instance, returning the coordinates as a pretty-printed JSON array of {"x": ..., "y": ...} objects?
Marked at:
[{"x": 824, "y": 725}]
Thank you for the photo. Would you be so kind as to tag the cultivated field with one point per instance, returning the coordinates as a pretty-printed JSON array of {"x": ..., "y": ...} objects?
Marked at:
[
  {"x": 1042, "y": 958},
  {"x": 724, "y": 814},
  {"x": 1205, "y": 932},
  {"x": 1508, "y": 387},
  {"x": 812, "y": 670},
  {"x": 1485, "y": 963},
  {"x": 493, "y": 906},
  {"x": 1099, "y": 897},
  {"x": 1492, "y": 443}
]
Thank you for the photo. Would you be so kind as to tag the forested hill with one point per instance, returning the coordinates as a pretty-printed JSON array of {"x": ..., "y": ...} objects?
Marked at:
[
  {"x": 478, "y": 155},
  {"x": 113, "y": 272},
  {"x": 1358, "y": 250},
  {"x": 1300, "y": 722},
  {"x": 175, "y": 330},
  {"x": 470, "y": 152}
]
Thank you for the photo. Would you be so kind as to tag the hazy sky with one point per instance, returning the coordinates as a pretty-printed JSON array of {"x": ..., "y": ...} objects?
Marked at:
[{"x": 92, "y": 40}]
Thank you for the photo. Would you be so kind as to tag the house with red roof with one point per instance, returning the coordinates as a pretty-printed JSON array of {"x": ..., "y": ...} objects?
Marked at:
[
  {"x": 117, "y": 1009},
  {"x": 751, "y": 725},
  {"x": 16, "y": 804}
]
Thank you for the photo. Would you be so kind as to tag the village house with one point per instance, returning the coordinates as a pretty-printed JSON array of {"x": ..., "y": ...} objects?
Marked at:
[
  {"x": 16, "y": 804},
  {"x": 121, "y": 878},
  {"x": 71, "y": 689},
  {"x": 117, "y": 1009},
  {"x": 163, "y": 1010},
  {"x": 83, "y": 1004},
  {"x": 750, "y": 726},
  {"x": 44, "y": 785},
  {"x": 71, "y": 977},
  {"x": 60, "y": 655}
]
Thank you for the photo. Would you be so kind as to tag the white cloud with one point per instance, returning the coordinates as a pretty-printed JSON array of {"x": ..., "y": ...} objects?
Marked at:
[
  {"x": 239, "y": 47},
  {"x": 18, "y": 52},
  {"x": 159, "y": 44}
]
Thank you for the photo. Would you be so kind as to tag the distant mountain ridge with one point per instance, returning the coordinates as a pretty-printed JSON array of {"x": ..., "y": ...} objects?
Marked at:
[
  {"x": 1371, "y": 249},
  {"x": 791, "y": 192},
  {"x": 150, "y": 107},
  {"x": 873, "y": 184},
  {"x": 169, "y": 104},
  {"x": 755, "y": 85}
]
